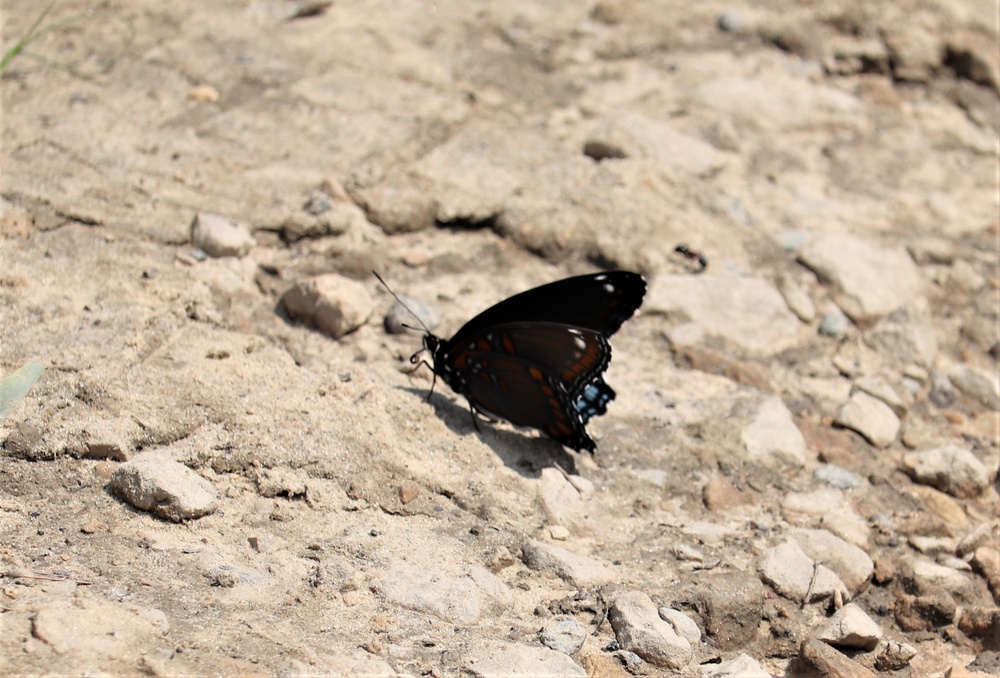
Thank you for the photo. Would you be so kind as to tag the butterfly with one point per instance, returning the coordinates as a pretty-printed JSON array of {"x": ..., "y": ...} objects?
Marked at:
[{"x": 537, "y": 359}]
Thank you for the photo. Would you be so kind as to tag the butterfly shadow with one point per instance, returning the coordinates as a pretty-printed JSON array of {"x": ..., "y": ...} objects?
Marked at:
[{"x": 523, "y": 453}]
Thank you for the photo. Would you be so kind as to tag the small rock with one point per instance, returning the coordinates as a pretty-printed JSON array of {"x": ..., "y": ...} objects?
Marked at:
[
  {"x": 905, "y": 337},
  {"x": 203, "y": 94},
  {"x": 639, "y": 629},
  {"x": 847, "y": 525},
  {"x": 111, "y": 439},
  {"x": 796, "y": 576},
  {"x": 925, "y": 613},
  {"x": 922, "y": 578},
  {"x": 219, "y": 236},
  {"x": 942, "y": 393},
  {"x": 740, "y": 666},
  {"x": 940, "y": 504},
  {"x": 772, "y": 437},
  {"x": 870, "y": 417},
  {"x": 332, "y": 303},
  {"x": 951, "y": 469},
  {"x": 895, "y": 656},
  {"x": 850, "y": 627},
  {"x": 980, "y": 622},
  {"x": 402, "y": 311},
  {"x": 683, "y": 625},
  {"x": 731, "y": 21},
  {"x": 263, "y": 543},
  {"x": 805, "y": 508},
  {"x": 156, "y": 483},
  {"x": 986, "y": 561},
  {"x": 564, "y": 636},
  {"x": 932, "y": 546},
  {"x": 868, "y": 281},
  {"x": 932, "y": 250},
  {"x": 428, "y": 589},
  {"x": 719, "y": 493},
  {"x": 838, "y": 478},
  {"x": 983, "y": 385},
  {"x": 849, "y": 562},
  {"x": 798, "y": 300},
  {"x": 980, "y": 535},
  {"x": 879, "y": 388},
  {"x": 966, "y": 278},
  {"x": 834, "y": 325},
  {"x": 816, "y": 658},
  {"x": 577, "y": 570},
  {"x": 408, "y": 492}
]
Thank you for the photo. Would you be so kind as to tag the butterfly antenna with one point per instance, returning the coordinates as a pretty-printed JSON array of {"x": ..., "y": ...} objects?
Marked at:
[{"x": 403, "y": 304}]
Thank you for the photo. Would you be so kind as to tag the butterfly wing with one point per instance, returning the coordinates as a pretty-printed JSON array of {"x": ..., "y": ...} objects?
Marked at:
[
  {"x": 518, "y": 391},
  {"x": 597, "y": 301}
]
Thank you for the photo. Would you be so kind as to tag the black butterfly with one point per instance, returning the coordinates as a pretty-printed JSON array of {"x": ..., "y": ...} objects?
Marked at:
[{"x": 537, "y": 359}]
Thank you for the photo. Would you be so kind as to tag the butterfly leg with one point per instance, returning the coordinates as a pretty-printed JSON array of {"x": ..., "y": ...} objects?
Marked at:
[
  {"x": 475, "y": 419},
  {"x": 430, "y": 367}
]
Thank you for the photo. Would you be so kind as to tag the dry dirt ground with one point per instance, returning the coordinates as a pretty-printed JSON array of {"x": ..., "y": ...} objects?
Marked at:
[{"x": 836, "y": 162}]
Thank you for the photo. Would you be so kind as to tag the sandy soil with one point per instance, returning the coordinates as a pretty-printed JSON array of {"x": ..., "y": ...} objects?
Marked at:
[{"x": 469, "y": 151}]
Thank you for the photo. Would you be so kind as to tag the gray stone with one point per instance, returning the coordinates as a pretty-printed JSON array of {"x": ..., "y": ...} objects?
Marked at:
[
  {"x": 834, "y": 324},
  {"x": 577, "y": 570},
  {"x": 922, "y": 578},
  {"x": 512, "y": 660},
  {"x": 798, "y": 300},
  {"x": 421, "y": 587},
  {"x": 905, "y": 337},
  {"x": 850, "y": 627},
  {"x": 983, "y": 385},
  {"x": 951, "y": 469},
  {"x": 816, "y": 658},
  {"x": 111, "y": 439},
  {"x": 731, "y": 605},
  {"x": 746, "y": 311},
  {"x": 402, "y": 313},
  {"x": 848, "y": 525},
  {"x": 838, "y": 478},
  {"x": 772, "y": 438},
  {"x": 795, "y": 575},
  {"x": 852, "y": 564},
  {"x": 639, "y": 629},
  {"x": 156, "y": 483},
  {"x": 332, "y": 303},
  {"x": 870, "y": 417},
  {"x": 731, "y": 21},
  {"x": 880, "y": 388},
  {"x": 566, "y": 636},
  {"x": 980, "y": 535},
  {"x": 868, "y": 282},
  {"x": 219, "y": 236},
  {"x": 684, "y": 626}
]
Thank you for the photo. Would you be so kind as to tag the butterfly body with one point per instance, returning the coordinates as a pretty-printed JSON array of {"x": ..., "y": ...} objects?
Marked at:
[{"x": 537, "y": 359}]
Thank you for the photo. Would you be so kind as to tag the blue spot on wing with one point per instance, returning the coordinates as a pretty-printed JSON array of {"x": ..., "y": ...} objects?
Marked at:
[{"x": 593, "y": 400}]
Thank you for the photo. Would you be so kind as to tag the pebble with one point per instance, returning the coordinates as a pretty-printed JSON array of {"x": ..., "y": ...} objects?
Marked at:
[
  {"x": 632, "y": 135},
  {"x": 578, "y": 570},
  {"x": 740, "y": 666},
  {"x": 871, "y": 418},
  {"x": 980, "y": 535},
  {"x": 950, "y": 468},
  {"x": 880, "y": 388},
  {"x": 512, "y": 659},
  {"x": 986, "y": 561},
  {"x": 851, "y": 563},
  {"x": 566, "y": 636},
  {"x": 942, "y": 393},
  {"x": 834, "y": 325},
  {"x": 684, "y": 626},
  {"x": 402, "y": 311},
  {"x": 220, "y": 236},
  {"x": 940, "y": 504},
  {"x": 638, "y": 628},
  {"x": 932, "y": 546},
  {"x": 837, "y": 477},
  {"x": 805, "y": 508},
  {"x": 563, "y": 502},
  {"x": 869, "y": 281},
  {"x": 111, "y": 439},
  {"x": 417, "y": 586},
  {"x": 747, "y": 311},
  {"x": 332, "y": 303},
  {"x": 772, "y": 438},
  {"x": 796, "y": 576},
  {"x": 904, "y": 338},
  {"x": 850, "y": 627},
  {"x": 798, "y": 300},
  {"x": 156, "y": 483},
  {"x": 731, "y": 21},
  {"x": 848, "y": 525},
  {"x": 964, "y": 277},
  {"x": 923, "y": 577},
  {"x": 816, "y": 658},
  {"x": 983, "y": 385},
  {"x": 931, "y": 250},
  {"x": 894, "y": 656}
]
